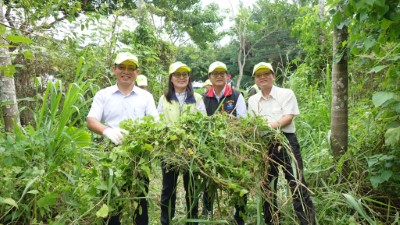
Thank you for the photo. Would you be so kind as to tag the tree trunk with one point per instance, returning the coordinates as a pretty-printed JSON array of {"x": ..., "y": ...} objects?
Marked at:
[
  {"x": 321, "y": 8},
  {"x": 7, "y": 87},
  {"x": 339, "y": 111},
  {"x": 242, "y": 54},
  {"x": 241, "y": 58},
  {"x": 25, "y": 88}
]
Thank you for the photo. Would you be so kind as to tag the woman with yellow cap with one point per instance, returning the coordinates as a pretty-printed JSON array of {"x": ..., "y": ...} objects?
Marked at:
[{"x": 179, "y": 99}]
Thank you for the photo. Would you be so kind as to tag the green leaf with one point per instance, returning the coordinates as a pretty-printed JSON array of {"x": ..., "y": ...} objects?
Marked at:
[
  {"x": 2, "y": 29},
  {"x": 146, "y": 170},
  {"x": 394, "y": 57},
  {"x": 9, "y": 70},
  {"x": 337, "y": 18},
  {"x": 34, "y": 192},
  {"x": 19, "y": 39},
  {"x": 358, "y": 206},
  {"x": 376, "y": 69},
  {"x": 381, "y": 97},
  {"x": 392, "y": 136},
  {"x": 375, "y": 181},
  {"x": 370, "y": 2},
  {"x": 396, "y": 107},
  {"x": 369, "y": 43},
  {"x": 386, "y": 175},
  {"x": 28, "y": 55},
  {"x": 386, "y": 23},
  {"x": 148, "y": 147},
  {"x": 243, "y": 192},
  {"x": 48, "y": 200},
  {"x": 10, "y": 201},
  {"x": 103, "y": 211}
]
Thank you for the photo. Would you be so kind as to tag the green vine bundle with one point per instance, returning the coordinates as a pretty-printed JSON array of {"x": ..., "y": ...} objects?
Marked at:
[{"x": 231, "y": 152}]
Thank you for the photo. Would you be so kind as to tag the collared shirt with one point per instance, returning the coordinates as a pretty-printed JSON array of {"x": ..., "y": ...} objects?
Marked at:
[
  {"x": 241, "y": 109},
  {"x": 181, "y": 97},
  {"x": 111, "y": 106},
  {"x": 280, "y": 102}
]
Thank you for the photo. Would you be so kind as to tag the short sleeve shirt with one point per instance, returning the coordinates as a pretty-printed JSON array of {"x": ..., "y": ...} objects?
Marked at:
[
  {"x": 111, "y": 106},
  {"x": 279, "y": 103}
]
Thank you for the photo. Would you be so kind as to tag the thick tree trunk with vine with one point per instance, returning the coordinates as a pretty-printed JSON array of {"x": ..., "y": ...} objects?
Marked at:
[
  {"x": 8, "y": 97},
  {"x": 339, "y": 111}
]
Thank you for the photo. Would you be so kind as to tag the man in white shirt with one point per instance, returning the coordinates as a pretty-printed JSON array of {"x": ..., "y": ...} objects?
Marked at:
[
  {"x": 279, "y": 107},
  {"x": 119, "y": 102}
]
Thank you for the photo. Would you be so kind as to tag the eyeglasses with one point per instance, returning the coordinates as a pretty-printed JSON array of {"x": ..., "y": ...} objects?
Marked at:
[
  {"x": 218, "y": 74},
  {"x": 180, "y": 75},
  {"x": 125, "y": 67},
  {"x": 259, "y": 75}
]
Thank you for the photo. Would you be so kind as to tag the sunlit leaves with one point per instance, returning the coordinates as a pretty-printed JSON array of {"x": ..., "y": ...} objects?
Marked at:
[
  {"x": 19, "y": 39},
  {"x": 103, "y": 211},
  {"x": 8, "y": 70},
  {"x": 9, "y": 201}
]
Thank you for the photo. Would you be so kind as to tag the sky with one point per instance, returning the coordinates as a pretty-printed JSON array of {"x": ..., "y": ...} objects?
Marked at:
[{"x": 232, "y": 6}]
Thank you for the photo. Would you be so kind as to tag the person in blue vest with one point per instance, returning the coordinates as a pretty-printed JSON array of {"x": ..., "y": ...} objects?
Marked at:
[
  {"x": 120, "y": 102},
  {"x": 224, "y": 98},
  {"x": 179, "y": 99},
  {"x": 278, "y": 106}
]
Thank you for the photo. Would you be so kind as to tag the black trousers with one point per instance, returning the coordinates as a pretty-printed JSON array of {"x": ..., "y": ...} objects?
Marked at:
[
  {"x": 302, "y": 202},
  {"x": 168, "y": 195},
  {"x": 141, "y": 214},
  {"x": 210, "y": 188}
]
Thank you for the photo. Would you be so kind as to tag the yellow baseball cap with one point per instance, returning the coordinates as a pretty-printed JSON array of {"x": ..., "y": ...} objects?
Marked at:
[
  {"x": 217, "y": 65},
  {"x": 263, "y": 65},
  {"x": 141, "y": 80},
  {"x": 176, "y": 65},
  {"x": 126, "y": 56},
  {"x": 207, "y": 82}
]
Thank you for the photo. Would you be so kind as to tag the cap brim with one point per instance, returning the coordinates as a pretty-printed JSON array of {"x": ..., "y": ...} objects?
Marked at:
[
  {"x": 128, "y": 61},
  {"x": 218, "y": 67},
  {"x": 182, "y": 67},
  {"x": 262, "y": 67}
]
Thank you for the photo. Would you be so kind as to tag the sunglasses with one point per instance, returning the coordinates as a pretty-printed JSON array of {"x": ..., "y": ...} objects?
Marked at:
[{"x": 126, "y": 68}]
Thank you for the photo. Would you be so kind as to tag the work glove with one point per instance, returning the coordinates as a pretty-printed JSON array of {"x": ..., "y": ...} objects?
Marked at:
[{"x": 115, "y": 134}]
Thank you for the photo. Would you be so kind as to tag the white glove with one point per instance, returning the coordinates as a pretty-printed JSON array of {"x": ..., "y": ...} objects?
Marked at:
[{"x": 115, "y": 134}]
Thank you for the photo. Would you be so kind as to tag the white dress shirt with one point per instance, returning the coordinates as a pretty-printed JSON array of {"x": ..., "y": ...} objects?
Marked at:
[
  {"x": 280, "y": 102},
  {"x": 111, "y": 106}
]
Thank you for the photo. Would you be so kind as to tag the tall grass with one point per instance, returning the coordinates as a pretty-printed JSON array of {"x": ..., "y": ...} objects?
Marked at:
[
  {"x": 43, "y": 165},
  {"x": 341, "y": 198}
]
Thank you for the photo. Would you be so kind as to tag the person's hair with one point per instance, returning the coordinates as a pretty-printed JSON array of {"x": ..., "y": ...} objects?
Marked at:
[{"x": 171, "y": 90}]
